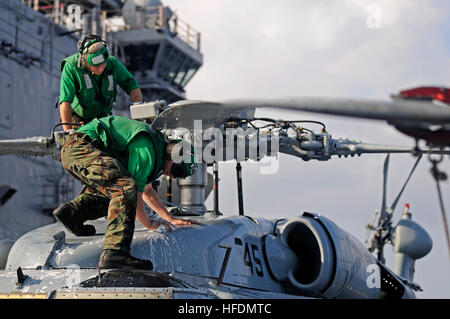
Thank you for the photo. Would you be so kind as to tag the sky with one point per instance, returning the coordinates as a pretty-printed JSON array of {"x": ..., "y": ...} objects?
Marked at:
[{"x": 358, "y": 49}]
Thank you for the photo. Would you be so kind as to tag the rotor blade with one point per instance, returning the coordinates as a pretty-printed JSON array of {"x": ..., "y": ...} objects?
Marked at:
[
  {"x": 213, "y": 114},
  {"x": 394, "y": 204},
  {"x": 361, "y": 148},
  {"x": 383, "y": 202},
  {"x": 31, "y": 146},
  {"x": 411, "y": 111},
  {"x": 340, "y": 147}
]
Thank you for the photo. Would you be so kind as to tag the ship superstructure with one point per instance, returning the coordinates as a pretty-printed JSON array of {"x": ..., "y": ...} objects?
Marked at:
[{"x": 160, "y": 50}]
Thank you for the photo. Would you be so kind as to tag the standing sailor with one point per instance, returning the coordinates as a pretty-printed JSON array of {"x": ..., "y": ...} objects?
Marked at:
[{"x": 89, "y": 82}]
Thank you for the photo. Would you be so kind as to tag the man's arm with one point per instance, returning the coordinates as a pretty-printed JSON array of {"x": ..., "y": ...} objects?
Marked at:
[
  {"x": 152, "y": 199},
  {"x": 65, "y": 111},
  {"x": 140, "y": 151},
  {"x": 126, "y": 81},
  {"x": 143, "y": 218},
  {"x": 136, "y": 95}
]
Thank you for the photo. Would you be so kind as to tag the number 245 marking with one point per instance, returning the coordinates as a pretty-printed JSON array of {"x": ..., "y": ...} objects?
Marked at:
[{"x": 248, "y": 259}]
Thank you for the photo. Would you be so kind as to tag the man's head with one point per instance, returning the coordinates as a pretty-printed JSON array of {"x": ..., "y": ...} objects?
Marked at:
[
  {"x": 94, "y": 53},
  {"x": 179, "y": 160}
]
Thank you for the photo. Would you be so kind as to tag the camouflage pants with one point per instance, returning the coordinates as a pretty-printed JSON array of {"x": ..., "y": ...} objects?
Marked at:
[{"x": 109, "y": 189}]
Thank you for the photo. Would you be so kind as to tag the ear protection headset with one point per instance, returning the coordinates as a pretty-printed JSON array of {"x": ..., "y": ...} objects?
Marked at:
[
  {"x": 95, "y": 58},
  {"x": 87, "y": 41}
]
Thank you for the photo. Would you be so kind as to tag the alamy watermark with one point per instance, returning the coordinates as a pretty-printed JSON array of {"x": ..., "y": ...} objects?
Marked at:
[
  {"x": 215, "y": 145},
  {"x": 373, "y": 20},
  {"x": 374, "y": 278},
  {"x": 73, "y": 279}
]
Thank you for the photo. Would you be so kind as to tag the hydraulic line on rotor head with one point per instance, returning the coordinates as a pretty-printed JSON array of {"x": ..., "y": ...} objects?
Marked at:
[
  {"x": 216, "y": 186},
  {"x": 239, "y": 185}
]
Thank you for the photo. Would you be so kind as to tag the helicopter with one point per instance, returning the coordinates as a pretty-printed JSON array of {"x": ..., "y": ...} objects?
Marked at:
[{"x": 240, "y": 256}]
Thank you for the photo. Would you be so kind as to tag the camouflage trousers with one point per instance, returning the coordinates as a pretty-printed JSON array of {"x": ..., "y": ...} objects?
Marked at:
[{"x": 109, "y": 188}]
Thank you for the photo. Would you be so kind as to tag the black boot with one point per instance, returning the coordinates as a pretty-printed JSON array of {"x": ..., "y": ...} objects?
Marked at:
[
  {"x": 110, "y": 259},
  {"x": 71, "y": 221}
]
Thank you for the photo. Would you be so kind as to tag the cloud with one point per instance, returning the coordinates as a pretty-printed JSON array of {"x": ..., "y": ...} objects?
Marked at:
[
  {"x": 262, "y": 48},
  {"x": 311, "y": 47}
]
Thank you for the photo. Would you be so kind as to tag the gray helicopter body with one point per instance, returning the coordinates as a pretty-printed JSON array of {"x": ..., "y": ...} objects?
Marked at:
[{"x": 222, "y": 257}]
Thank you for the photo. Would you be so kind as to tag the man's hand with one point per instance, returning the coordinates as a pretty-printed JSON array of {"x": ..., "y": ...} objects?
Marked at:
[
  {"x": 183, "y": 222},
  {"x": 169, "y": 226},
  {"x": 158, "y": 223},
  {"x": 152, "y": 199},
  {"x": 176, "y": 222}
]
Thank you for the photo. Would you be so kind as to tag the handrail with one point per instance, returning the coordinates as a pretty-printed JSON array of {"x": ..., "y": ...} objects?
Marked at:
[{"x": 146, "y": 18}]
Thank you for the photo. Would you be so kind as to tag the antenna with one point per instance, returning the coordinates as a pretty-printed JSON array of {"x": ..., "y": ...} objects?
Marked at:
[
  {"x": 394, "y": 204},
  {"x": 440, "y": 176},
  {"x": 384, "y": 230}
]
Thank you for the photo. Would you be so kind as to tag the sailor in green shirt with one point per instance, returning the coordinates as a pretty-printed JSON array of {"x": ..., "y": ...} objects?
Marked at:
[
  {"x": 117, "y": 159},
  {"x": 89, "y": 82}
]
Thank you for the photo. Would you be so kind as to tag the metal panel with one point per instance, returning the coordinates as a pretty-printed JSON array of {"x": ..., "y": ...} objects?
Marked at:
[
  {"x": 19, "y": 295},
  {"x": 6, "y": 93},
  {"x": 126, "y": 293}
]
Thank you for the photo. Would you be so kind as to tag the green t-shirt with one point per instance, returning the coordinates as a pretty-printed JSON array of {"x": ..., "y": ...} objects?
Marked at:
[
  {"x": 92, "y": 96},
  {"x": 134, "y": 144},
  {"x": 141, "y": 159}
]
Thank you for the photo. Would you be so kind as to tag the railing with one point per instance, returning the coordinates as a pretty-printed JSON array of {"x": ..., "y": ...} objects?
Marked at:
[
  {"x": 185, "y": 32},
  {"x": 73, "y": 17},
  {"x": 159, "y": 17}
]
